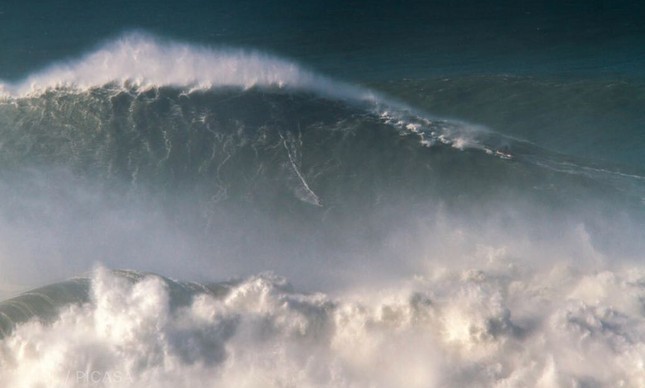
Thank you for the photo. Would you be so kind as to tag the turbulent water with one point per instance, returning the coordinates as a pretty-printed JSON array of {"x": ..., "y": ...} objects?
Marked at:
[{"x": 220, "y": 216}]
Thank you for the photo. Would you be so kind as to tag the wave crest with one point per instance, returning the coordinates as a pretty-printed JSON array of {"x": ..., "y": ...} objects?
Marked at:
[{"x": 141, "y": 60}]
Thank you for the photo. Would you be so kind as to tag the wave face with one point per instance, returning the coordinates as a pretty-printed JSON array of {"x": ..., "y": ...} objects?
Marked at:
[{"x": 419, "y": 251}]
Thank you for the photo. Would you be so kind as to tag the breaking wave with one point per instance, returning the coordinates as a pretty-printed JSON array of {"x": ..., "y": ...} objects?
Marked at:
[
  {"x": 497, "y": 326},
  {"x": 445, "y": 253}
]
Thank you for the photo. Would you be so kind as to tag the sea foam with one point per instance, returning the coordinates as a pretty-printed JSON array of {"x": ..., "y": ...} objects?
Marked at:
[{"x": 503, "y": 327}]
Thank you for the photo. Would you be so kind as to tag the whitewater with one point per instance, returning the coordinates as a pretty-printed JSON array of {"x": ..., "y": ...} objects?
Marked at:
[
  {"x": 141, "y": 60},
  {"x": 224, "y": 217},
  {"x": 494, "y": 326}
]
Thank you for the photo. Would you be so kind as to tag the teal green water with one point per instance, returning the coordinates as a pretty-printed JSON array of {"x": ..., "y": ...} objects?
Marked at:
[
  {"x": 579, "y": 64},
  {"x": 596, "y": 118}
]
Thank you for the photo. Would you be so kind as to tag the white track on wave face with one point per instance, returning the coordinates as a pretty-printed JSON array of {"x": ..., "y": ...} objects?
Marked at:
[{"x": 143, "y": 61}]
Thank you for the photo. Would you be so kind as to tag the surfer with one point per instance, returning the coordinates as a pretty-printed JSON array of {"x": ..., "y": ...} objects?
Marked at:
[{"x": 504, "y": 152}]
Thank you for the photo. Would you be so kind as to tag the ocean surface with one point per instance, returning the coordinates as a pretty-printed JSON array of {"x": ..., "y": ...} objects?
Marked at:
[{"x": 322, "y": 194}]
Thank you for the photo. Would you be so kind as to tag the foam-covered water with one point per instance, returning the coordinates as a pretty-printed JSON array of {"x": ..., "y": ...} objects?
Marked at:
[
  {"x": 495, "y": 326},
  {"x": 402, "y": 248}
]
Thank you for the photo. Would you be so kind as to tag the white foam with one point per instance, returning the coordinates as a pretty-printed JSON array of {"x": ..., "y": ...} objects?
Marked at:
[
  {"x": 143, "y": 61},
  {"x": 495, "y": 326}
]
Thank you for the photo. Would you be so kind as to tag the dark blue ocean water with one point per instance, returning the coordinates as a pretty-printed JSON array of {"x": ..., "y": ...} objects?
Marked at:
[{"x": 353, "y": 39}]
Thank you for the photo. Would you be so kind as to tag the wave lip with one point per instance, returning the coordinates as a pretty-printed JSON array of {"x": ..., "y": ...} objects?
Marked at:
[{"x": 141, "y": 60}]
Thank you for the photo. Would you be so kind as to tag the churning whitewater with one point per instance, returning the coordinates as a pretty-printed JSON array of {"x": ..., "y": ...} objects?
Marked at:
[
  {"x": 324, "y": 235},
  {"x": 501, "y": 326}
]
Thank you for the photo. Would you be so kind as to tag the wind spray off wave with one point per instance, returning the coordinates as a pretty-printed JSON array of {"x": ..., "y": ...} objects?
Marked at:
[{"x": 143, "y": 61}]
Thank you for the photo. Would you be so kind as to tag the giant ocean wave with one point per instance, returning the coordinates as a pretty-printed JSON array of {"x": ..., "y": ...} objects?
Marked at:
[{"x": 447, "y": 253}]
